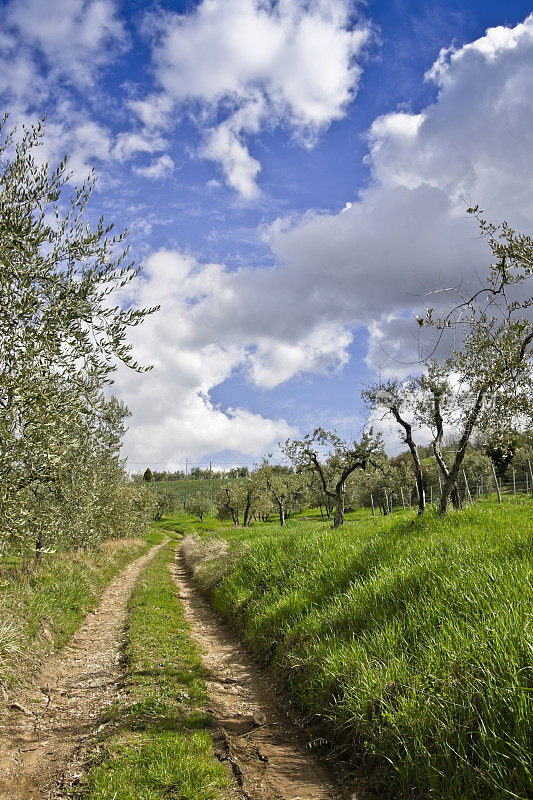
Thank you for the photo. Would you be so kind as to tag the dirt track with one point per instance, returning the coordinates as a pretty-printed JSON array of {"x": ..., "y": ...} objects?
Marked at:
[
  {"x": 39, "y": 738},
  {"x": 269, "y": 756},
  {"x": 44, "y": 736}
]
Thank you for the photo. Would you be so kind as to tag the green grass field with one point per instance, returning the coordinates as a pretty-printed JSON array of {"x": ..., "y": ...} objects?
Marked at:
[{"x": 410, "y": 639}]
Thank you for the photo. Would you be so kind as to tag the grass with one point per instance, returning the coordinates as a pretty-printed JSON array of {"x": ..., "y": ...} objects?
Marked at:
[
  {"x": 42, "y": 606},
  {"x": 156, "y": 742},
  {"x": 410, "y": 639},
  {"x": 181, "y": 523}
]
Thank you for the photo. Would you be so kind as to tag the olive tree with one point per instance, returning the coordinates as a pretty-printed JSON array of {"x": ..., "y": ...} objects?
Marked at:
[
  {"x": 489, "y": 371},
  {"x": 396, "y": 399},
  {"x": 322, "y": 449},
  {"x": 287, "y": 491},
  {"x": 61, "y": 331},
  {"x": 198, "y": 506}
]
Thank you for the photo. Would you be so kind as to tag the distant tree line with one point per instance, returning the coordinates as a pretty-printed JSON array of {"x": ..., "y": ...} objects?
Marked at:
[{"x": 202, "y": 473}]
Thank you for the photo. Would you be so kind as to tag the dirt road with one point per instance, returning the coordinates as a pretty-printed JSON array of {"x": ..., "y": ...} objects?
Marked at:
[
  {"x": 269, "y": 756},
  {"x": 40, "y": 734}
]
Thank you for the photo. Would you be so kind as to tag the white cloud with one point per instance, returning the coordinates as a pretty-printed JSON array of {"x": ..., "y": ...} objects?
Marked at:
[
  {"x": 161, "y": 168},
  {"x": 75, "y": 37},
  {"x": 362, "y": 267},
  {"x": 174, "y": 416},
  {"x": 408, "y": 231},
  {"x": 129, "y": 143},
  {"x": 84, "y": 140},
  {"x": 289, "y": 62},
  {"x": 275, "y": 362},
  {"x": 240, "y": 169}
]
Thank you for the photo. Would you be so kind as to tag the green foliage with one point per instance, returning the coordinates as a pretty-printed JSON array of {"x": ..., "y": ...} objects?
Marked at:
[
  {"x": 408, "y": 638},
  {"x": 199, "y": 507},
  {"x": 331, "y": 461},
  {"x": 148, "y": 475},
  {"x": 165, "y": 500},
  {"x": 61, "y": 337},
  {"x": 500, "y": 447}
]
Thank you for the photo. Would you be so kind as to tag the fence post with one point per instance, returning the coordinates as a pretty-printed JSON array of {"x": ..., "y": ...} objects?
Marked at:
[
  {"x": 514, "y": 484},
  {"x": 386, "y": 500},
  {"x": 430, "y": 494},
  {"x": 372, "y": 501},
  {"x": 403, "y": 501},
  {"x": 498, "y": 491},
  {"x": 467, "y": 487},
  {"x": 530, "y": 471}
]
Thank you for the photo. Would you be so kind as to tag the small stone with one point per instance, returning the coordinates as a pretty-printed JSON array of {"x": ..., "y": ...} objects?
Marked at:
[
  {"x": 259, "y": 718},
  {"x": 18, "y": 707},
  {"x": 48, "y": 635}
]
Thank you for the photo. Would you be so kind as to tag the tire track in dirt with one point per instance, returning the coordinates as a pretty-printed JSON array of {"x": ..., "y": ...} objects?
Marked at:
[
  {"x": 40, "y": 734},
  {"x": 268, "y": 754}
]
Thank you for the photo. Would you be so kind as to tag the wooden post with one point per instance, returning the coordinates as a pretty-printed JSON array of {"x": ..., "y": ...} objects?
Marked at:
[
  {"x": 498, "y": 492},
  {"x": 386, "y": 500},
  {"x": 430, "y": 494},
  {"x": 467, "y": 487},
  {"x": 530, "y": 471},
  {"x": 372, "y": 501},
  {"x": 514, "y": 484},
  {"x": 403, "y": 501}
]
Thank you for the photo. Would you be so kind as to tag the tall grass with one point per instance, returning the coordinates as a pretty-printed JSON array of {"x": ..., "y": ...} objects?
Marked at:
[
  {"x": 41, "y": 606},
  {"x": 411, "y": 639}
]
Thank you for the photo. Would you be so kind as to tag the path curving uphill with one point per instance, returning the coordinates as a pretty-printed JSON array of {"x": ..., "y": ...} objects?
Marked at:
[
  {"x": 40, "y": 734},
  {"x": 269, "y": 756}
]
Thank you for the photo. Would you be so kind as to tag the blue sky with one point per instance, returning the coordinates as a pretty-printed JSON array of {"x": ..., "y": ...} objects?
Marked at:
[{"x": 292, "y": 173}]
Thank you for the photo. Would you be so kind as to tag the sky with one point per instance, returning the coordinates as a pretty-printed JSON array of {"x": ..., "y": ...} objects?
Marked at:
[{"x": 295, "y": 176}]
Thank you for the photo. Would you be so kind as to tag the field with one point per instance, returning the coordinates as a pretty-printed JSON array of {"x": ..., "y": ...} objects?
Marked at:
[{"x": 409, "y": 639}]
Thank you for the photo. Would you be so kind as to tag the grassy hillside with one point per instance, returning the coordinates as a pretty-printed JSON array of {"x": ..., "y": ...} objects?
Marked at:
[
  {"x": 411, "y": 639},
  {"x": 42, "y": 605}
]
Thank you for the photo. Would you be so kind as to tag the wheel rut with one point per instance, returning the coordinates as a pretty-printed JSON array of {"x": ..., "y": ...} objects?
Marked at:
[
  {"x": 40, "y": 734},
  {"x": 266, "y": 752}
]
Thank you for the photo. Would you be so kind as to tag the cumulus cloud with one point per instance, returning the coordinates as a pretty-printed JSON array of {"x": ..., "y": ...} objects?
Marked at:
[
  {"x": 290, "y": 62},
  {"x": 408, "y": 232},
  {"x": 174, "y": 415},
  {"x": 158, "y": 169},
  {"x": 360, "y": 271},
  {"x": 75, "y": 37},
  {"x": 50, "y": 60},
  {"x": 132, "y": 142}
]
